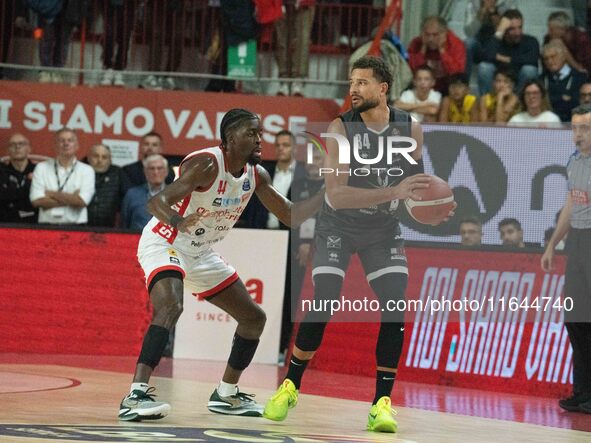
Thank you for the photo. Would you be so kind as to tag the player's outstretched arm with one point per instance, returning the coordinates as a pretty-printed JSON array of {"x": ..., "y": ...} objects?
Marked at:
[
  {"x": 342, "y": 196},
  {"x": 198, "y": 172},
  {"x": 289, "y": 213}
]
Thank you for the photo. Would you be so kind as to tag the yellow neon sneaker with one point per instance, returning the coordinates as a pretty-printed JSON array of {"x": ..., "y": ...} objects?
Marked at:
[
  {"x": 285, "y": 398},
  {"x": 381, "y": 417}
]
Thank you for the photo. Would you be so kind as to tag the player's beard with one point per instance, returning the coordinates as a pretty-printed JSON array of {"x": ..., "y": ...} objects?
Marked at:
[
  {"x": 366, "y": 105},
  {"x": 253, "y": 160}
]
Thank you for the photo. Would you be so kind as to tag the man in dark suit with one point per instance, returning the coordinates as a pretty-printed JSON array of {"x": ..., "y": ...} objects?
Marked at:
[
  {"x": 284, "y": 171},
  {"x": 150, "y": 144},
  {"x": 562, "y": 81}
]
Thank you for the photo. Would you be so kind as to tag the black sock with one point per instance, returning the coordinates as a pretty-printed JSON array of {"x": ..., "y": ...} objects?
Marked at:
[
  {"x": 384, "y": 384},
  {"x": 296, "y": 370}
]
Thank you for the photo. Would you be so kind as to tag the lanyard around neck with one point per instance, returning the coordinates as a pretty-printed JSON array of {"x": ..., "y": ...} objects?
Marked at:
[{"x": 57, "y": 176}]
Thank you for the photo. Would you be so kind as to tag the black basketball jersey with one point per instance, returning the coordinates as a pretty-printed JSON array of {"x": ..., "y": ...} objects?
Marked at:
[{"x": 386, "y": 172}]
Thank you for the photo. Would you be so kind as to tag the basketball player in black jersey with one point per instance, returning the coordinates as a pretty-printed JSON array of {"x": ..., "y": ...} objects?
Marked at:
[{"x": 358, "y": 216}]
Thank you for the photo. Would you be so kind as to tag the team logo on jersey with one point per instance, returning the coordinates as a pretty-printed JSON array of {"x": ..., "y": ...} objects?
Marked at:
[
  {"x": 175, "y": 260},
  {"x": 333, "y": 242},
  {"x": 217, "y": 202},
  {"x": 172, "y": 252},
  {"x": 246, "y": 185},
  {"x": 333, "y": 257},
  {"x": 200, "y": 231}
]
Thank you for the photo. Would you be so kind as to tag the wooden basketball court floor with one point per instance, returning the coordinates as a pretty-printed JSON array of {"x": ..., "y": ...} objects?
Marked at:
[{"x": 49, "y": 398}]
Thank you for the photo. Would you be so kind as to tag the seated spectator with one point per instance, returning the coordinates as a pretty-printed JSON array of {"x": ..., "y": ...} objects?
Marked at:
[
  {"x": 440, "y": 49},
  {"x": 561, "y": 80},
  {"x": 109, "y": 190},
  {"x": 134, "y": 212},
  {"x": 585, "y": 93},
  {"x": 481, "y": 19},
  {"x": 534, "y": 100},
  {"x": 577, "y": 42},
  {"x": 499, "y": 106},
  {"x": 150, "y": 144},
  {"x": 422, "y": 101},
  {"x": 511, "y": 233},
  {"x": 15, "y": 183},
  {"x": 63, "y": 187},
  {"x": 459, "y": 106},
  {"x": 510, "y": 48},
  {"x": 471, "y": 231}
]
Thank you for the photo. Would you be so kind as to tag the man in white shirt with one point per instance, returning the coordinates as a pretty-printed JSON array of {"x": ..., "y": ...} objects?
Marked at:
[
  {"x": 284, "y": 169},
  {"x": 63, "y": 187}
]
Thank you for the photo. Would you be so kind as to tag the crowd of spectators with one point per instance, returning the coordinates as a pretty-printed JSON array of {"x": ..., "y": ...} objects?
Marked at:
[
  {"x": 496, "y": 51},
  {"x": 93, "y": 191},
  {"x": 512, "y": 88}
]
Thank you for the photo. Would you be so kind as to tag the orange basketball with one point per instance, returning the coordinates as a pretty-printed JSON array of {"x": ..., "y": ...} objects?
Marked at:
[{"x": 437, "y": 201}]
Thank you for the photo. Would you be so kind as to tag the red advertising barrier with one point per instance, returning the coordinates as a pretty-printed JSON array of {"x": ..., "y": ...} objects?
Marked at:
[
  {"x": 68, "y": 292},
  {"x": 483, "y": 349},
  {"x": 186, "y": 120},
  {"x": 65, "y": 292}
]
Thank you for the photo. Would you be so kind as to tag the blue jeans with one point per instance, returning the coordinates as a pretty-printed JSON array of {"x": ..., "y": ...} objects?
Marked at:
[
  {"x": 486, "y": 74},
  {"x": 473, "y": 47}
]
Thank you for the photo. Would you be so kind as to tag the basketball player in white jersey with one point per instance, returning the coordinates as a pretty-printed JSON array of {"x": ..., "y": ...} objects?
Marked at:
[{"x": 190, "y": 215}]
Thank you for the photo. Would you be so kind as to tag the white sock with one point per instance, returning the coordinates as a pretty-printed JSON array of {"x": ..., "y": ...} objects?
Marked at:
[
  {"x": 227, "y": 389},
  {"x": 139, "y": 387}
]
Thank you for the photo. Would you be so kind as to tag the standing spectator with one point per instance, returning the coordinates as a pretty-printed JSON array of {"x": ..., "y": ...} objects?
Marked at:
[
  {"x": 63, "y": 187},
  {"x": 237, "y": 25},
  {"x": 440, "y": 49},
  {"x": 118, "y": 17},
  {"x": 283, "y": 171},
  {"x": 109, "y": 190},
  {"x": 534, "y": 101},
  {"x": 471, "y": 231},
  {"x": 511, "y": 48},
  {"x": 134, "y": 212},
  {"x": 561, "y": 80},
  {"x": 165, "y": 19},
  {"x": 577, "y": 43},
  {"x": 422, "y": 101},
  {"x": 575, "y": 219},
  {"x": 150, "y": 144},
  {"x": 500, "y": 106},
  {"x": 57, "y": 20},
  {"x": 15, "y": 183},
  {"x": 293, "y": 45},
  {"x": 12, "y": 12},
  {"x": 459, "y": 106},
  {"x": 511, "y": 233},
  {"x": 481, "y": 18},
  {"x": 585, "y": 93}
]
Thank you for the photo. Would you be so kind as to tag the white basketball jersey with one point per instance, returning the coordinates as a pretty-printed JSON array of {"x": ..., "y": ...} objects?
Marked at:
[{"x": 220, "y": 205}]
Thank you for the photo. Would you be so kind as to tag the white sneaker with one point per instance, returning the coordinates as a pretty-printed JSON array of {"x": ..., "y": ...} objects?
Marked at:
[
  {"x": 151, "y": 82},
  {"x": 57, "y": 77},
  {"x": 118, "y": 79},
  {"x": 283, "y": 89},
  {"x": 107, "y": 79},
  {"x": 44, "y": 77},
  {"x": 297, "y": 89},
  {"x": 169, "y": 83}
]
